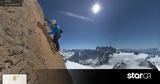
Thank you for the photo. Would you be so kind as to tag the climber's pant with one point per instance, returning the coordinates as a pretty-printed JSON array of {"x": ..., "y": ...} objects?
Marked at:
[{"x": 55, "y": 40}]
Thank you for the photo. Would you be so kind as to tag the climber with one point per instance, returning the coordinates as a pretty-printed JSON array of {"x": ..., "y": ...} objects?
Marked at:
[{"x": 56, "y": 31}]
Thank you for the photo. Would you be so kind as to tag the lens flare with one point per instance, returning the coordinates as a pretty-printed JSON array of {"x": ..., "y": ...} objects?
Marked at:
[{"x": 96, "y": 8}]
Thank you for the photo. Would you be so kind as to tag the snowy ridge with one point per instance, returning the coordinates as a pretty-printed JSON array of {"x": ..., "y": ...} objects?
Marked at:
[
  {"x": 130, "y": 60},
  {"x": 155, "y": 61},
  {"x": 66, "y": 55}
]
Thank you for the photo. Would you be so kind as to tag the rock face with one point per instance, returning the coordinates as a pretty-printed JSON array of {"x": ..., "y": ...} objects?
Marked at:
[
  {"x": 120, "y": 65},
  {"x": 24, "y": 47}
]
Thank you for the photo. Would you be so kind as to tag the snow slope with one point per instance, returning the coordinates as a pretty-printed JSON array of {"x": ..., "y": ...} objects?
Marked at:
[
  {"x": 126, "y": 57},
  {"x": 73, "y": 65},
  {"x": 105, "y": 66},
  {"x": 155, "y": 61},
  {"x": 130, "y": 59},
  {"x": 133, "y": 61}
]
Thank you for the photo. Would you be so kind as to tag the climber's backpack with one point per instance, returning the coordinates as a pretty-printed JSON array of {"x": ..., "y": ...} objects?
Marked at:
[{"x": 58, "y": 34}]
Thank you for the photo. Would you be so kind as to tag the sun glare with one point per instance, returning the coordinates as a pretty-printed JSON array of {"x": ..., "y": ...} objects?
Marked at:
[{"x": 96, "y": 8}]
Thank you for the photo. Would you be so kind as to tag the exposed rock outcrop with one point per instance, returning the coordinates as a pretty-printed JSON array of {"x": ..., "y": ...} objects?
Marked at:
[
  {"x": 24, "y": 47},
  {"x": 120, "y": 65}
]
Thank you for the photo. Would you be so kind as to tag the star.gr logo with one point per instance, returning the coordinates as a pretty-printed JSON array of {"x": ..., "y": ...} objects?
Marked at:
[
  {"x": 139, "y": 75},
  {"x": 14, "y": 79}
]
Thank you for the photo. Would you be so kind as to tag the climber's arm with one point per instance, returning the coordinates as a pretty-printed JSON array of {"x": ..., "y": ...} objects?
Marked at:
[{"x": 51, "y": 32}]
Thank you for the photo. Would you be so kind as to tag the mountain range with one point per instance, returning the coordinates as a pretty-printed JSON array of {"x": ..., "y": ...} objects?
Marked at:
[{"x": 112, "y": 58}]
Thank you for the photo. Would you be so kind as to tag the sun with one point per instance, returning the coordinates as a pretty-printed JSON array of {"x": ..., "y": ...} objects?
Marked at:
[{"x": 96, "y": 8}]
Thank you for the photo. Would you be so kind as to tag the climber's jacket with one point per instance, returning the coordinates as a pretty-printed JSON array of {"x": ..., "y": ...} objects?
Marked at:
[{"x": 54, "y": 28}]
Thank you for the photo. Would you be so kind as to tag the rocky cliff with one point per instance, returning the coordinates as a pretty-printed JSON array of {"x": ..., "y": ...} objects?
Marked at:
[{"x": 24, "y": 48}]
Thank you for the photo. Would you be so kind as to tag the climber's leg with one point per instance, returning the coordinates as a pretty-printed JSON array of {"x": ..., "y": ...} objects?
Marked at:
[{"x": 55, "y": 40}]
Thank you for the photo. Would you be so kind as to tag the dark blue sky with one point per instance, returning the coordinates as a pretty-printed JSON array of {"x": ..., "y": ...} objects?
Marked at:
[{"x": 120, "y": 23}]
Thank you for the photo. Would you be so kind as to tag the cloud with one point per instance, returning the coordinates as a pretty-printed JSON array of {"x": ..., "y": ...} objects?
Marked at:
[{"x": 77, "y": 16}]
